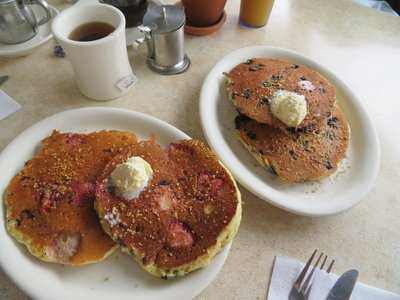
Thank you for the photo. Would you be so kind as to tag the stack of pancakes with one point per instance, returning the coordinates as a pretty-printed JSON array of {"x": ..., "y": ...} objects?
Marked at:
[
  {"x": 310, "y": 151},
  {"x": 62, "y": 209}
]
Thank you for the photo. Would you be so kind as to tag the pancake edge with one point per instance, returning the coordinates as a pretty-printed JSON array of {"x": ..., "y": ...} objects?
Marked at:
[
  {"x": 263, "y": 161},
  {"x": 39, "y": 252}
]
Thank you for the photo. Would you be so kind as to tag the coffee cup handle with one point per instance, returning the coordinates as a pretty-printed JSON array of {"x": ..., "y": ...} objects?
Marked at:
[{"x": 46, "y": 8}]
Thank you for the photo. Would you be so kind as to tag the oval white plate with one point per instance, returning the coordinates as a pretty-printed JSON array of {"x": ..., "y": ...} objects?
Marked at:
[
  {"x": 339, "y": 192},
  {"x": 44, "y": 34},
  {"x": 118, "y": 277}
]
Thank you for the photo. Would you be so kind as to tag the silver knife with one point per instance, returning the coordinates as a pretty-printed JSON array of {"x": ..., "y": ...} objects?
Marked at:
[
  {"x": 344, "y": 286},
  {"x": 3, "y": 79}
]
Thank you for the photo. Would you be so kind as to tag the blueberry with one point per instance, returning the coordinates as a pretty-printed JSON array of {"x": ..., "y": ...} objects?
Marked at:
[{"x": 58, "y": 51}]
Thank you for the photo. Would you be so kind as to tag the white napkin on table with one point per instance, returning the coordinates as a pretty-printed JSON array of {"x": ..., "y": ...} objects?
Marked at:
[
  {"x": 287, "y": 269},
  {"x": 7, "y": 105}
]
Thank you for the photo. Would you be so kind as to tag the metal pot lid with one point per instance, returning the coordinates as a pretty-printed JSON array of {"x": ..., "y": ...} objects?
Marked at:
[{"x": 164, "y": 18}]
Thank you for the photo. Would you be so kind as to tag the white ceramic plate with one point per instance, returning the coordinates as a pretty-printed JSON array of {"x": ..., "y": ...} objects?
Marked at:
[
  {"x": 339, "y": 192},
  {"x": 118, "y": 277},
  {"x": 44, "y": 34}
]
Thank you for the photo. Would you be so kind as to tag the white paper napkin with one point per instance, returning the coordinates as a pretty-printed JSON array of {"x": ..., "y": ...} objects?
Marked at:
[
  {"x": 7, "y": 105},
  {"x": 287, "y": 269}
]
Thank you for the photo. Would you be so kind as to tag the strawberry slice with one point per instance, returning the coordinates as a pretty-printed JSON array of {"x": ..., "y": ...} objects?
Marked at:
[
  {"x": 180, "y": 147},
  {"x": 83, "y": 192},
  {"x": 178, "y": 236},
  {"x": 63, "y": 247},
  {"x": 72, "y": 140},
  {"x": 216, "y": 186},
  {"x": 208, "y": 183},
  {"x": 47, "y": 202},
  {"x": 165, "y": 198}
]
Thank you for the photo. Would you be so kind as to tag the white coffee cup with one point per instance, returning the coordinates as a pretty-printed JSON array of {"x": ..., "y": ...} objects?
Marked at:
[{"x": 102, "y": 69}]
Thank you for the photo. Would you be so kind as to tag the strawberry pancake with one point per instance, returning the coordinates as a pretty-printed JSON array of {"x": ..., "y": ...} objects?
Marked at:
[
  {"x": 50, "y": 201},
  {"x": 181, "y": 218}
]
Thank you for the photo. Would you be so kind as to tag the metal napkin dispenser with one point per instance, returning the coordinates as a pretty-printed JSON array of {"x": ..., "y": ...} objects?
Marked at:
[{"x": 163, "y": 27}]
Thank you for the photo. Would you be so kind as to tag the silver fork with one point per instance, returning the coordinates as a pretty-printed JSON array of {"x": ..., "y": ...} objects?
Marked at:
[{"x": 302, "y": 286}]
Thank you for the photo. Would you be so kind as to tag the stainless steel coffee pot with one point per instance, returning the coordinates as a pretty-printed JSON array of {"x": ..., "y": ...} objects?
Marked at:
[
  {"x": 18, "y": 22},
  {"x": 163, "y": 28}
]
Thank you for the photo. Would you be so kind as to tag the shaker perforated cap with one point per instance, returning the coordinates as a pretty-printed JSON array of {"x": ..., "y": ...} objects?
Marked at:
[{"x": 164, "y": 18}]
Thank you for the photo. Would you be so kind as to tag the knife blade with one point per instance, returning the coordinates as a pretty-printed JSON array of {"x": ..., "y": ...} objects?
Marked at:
[
  {"x": 344, "y": 286},
  {"x": 3, "y": 79}
]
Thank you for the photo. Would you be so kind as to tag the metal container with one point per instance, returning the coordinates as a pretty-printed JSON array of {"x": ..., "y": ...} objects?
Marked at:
[
  {"x": 163, "y": 28},
  {"x": 18, "y": 23}
]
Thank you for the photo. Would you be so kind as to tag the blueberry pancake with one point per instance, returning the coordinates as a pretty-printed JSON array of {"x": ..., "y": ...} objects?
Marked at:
[
  {"x": 189, "y": 210},
  {"x": 49, "y": 202},
  {"x": 297, "y": 155},
  {"x": 251, "y": 86}
]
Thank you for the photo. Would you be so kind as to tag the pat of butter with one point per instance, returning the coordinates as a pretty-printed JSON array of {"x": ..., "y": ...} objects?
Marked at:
[
  {"x": 131, "y": 177},
  {"x": 289, "y": 107}
]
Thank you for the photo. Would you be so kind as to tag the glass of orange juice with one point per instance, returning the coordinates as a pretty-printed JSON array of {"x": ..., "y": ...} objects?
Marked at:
[{"x": 255, "y": 13}]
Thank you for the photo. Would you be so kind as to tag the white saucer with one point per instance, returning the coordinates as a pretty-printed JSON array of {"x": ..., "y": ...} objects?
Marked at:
[
  {"x": 339, "y": 192},
  {"x": 117, "y": 277},
  {"x": 44, "y": 34}
]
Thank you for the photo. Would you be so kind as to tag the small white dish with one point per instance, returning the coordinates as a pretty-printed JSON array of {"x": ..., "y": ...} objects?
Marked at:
[
  {"x": 355, "y": 176},
  {"x": 44, "y": 34},
  {"x": 117, "y": 277}
]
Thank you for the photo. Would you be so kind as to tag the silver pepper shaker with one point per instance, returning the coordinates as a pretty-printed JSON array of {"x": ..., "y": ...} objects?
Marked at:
[{"x": 163, "y": 27}]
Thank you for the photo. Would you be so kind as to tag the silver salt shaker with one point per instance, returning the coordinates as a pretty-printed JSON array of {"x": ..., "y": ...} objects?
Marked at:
[{"x": 163, "y": 28}]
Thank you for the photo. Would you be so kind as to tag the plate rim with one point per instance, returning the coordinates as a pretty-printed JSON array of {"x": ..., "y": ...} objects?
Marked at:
[
  {"x": 21, "y": 281},
  {"x": 272, "y": 197}
]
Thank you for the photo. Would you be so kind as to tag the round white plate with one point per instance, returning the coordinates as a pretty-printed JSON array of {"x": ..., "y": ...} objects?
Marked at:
[
  {"x": 44, "y": 34},
  {"x": 355, "y": 176},
  {"x": 117, "y": 277}
]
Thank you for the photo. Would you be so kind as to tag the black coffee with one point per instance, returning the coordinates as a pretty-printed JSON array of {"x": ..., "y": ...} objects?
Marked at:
[{"x": 91, "y": 31}]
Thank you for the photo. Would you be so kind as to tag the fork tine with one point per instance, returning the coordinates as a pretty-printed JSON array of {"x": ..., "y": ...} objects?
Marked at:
[
  {"x": 307, "y": 293},
  {"x": 308, "y": 290},
  {"x": 330, "y": 266},
  {"x": 304, "y": 271},
  {"x": 323, "y": 262},
  {"x": 306, "y": 283}
]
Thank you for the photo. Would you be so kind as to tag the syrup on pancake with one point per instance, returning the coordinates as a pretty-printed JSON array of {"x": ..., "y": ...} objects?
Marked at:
[
  {"x": 177, "y": 223},
  {"x": 50, "y": 201}
]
